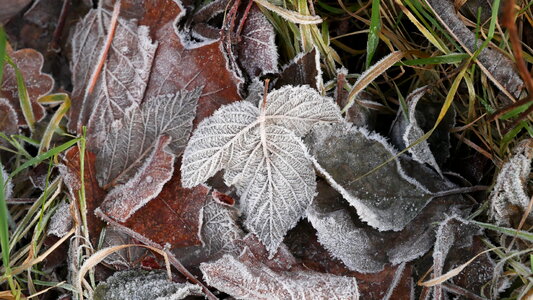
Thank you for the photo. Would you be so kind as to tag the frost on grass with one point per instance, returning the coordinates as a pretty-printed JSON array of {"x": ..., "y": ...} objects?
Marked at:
[
  {"x": 252, "y": 276},
  {"x": 121, "y": 84},
  {"x": 420, "y": 117},
  {"x": 498, "y": 66},
  {"x": 509, "y": 197},
  {"x": 140, "y": 285},
  {"x": 125, "y": 199},
  {"x": 30, "y": 63},
  {"x": 257, "y": 51},
  {"x": 8, "y": 185},
  {"x": 263, "y": 157},
  {"x": 8, "y": 120},
  {"x": 454, "y": 245},
  {"x": 132, "y": 139},
  {"x": 387, "y": 199},
  {"x": 365, "y": 249},
  {"x": 61, "y": 220}
]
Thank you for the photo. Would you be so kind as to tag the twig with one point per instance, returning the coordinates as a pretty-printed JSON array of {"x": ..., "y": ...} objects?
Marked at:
[{"x": 54, "y": 44}]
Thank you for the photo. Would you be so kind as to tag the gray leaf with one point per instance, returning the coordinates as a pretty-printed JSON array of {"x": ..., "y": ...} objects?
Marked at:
[{"x": 8, "y": 120}]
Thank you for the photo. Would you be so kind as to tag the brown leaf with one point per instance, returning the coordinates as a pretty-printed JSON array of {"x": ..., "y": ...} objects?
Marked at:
[
  {"x": 251, "y": 276},
  {"x": 126, "y": 199},
  {"x": 94, "y": 195},
  {"x": 173, "y": 217},
  {"x": 303, "y": 69},
  {"x": 30, "y": 63},
  {"x": 8, "y": 120},
  {"x": 8, "y": 9}
]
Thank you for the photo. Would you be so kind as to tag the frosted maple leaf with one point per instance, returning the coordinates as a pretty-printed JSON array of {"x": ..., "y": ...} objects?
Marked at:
[{"x": 262, "y": 155}]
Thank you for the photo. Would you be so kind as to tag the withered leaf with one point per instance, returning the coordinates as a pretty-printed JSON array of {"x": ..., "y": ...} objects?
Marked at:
[
  {"x": 127, "y": 258},
  {"x": 138, "y": 285},
  {"x": 509, "y": 197},
  {"x": 121, "y": 83},
  {"x": 262, "y": 156},
  {"x": 249, "y": 276},
  {"x": 8, "y": 120},
  {"x": 499, "y": 67},
  {"x": 61, "y": 221},
  {"x": 303, "y": 69},
  {"x": 386, "y": 199},
  {"x": 8, "y": 185},
  {"x": 131, "y": 140},
  {"x": 30, "y": 63},
  {"x": 174, "y": 217},
  {"x": 126, "y": 199}
]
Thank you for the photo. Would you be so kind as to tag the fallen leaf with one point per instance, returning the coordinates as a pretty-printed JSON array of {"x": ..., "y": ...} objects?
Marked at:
[
  {"x": 61, "y": 221},
  {"x": 30, "y": 63},
  {"x": 509, "y": 197},
  {"x": 8, "y": 185},
  {"x": 138, "y": 284},
  {"x": 8, "y": 120},
  {"x": 497, "y": 67},
  {"x": 10, "y": 9},
  {"x": 249, "y": 276},
  {"x": 124, "y": 200},
  {"x": 102, "y": 95},
  {"x": 263, "y": 157},
  {"x": 386, "y": 199},
  {"x": 301, "y": 70},
  {"x": 127, "y": 258}
]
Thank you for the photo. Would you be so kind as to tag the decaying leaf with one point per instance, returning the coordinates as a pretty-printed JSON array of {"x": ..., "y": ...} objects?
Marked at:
[
  {"x": 386, "y": 199},
  {"x": 8, "y": 120},
  {"x": 262, "y": 156},
  {"x": 252, "y": 276},
  {"x": 509, "y": 197},
  {"x": 303, "y": 69},
  {"x": 61, "y": 221},
  {"x": 455, "y": 244},
  {"x": 102, "y": 94},
  {"x": 30, "y": 63},
  {"x": 498, "y": 67},
  {"x": 126, "y": 199},
  {"x": 138, "y": 285},
  {"x": 365, "y": 249},
  {"x": 124, "y": 259},
  {"x": 422, "y": 116},
  {"x": 257, "y": 52},
  {"x": 173, "y": 218},
  {"x": 131, "y": 140}
]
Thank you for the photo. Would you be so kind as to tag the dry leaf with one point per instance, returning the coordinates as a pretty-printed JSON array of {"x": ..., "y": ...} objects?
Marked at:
[
  {"x": 509, "y": 197},
  {"x": 250, "y": 276},
  {"x": 101, "y": 96},
  {"x": 303, "y": 69},
  {"x": 30, "y": 63},
  {"x": 498, "y": 67},
  {"x": 262, "y": 156},
  {"x": 61, "y": 221},
  {"x": 8, "y": 185},
  {"x": 8, "y": 120}
]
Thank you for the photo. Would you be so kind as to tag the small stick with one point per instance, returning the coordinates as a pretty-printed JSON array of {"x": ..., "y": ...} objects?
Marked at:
[{"x": 54, "y": 44}]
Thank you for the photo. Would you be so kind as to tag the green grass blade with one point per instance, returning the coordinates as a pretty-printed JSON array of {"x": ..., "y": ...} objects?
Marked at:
[
  {"x": 373, "y": 34},
  {"x": 452, "y": 58},
  {"x": 524, "y": 235},
  {"x": 3, "y": 43},
  {"x": 4, "y": 216}
]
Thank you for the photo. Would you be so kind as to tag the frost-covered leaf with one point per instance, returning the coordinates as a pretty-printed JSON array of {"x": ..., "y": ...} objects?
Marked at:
[
  {"x": 8, "y": 120},
  {"x": 61, "y": 221},
  {"x": 257, "y": 52},
  {"x": 8, "y": 185},
  {"x": 126, "y": 199},
  {"x": 122, "y": 81},
  {"x": 132, "y": 139},
  {"x": 303, "y": 69},
  {"x": 509, "y": 197},
  {"x": 455, "y": 244},
  {"x": 173, "y": 218},
  {"x": 421, "y": 117},
  {"x": 365, "y": 249},
  {"x": 124, "y": 259},
  {"x": 262, "y": 157},
  {"x": 140, "y": 285},
  {"x": 499, "y": 68},
  {"x": 386, "y": 199},
  {"x": 30, "y": 63},
  {"x": 249, "y": 276}
]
